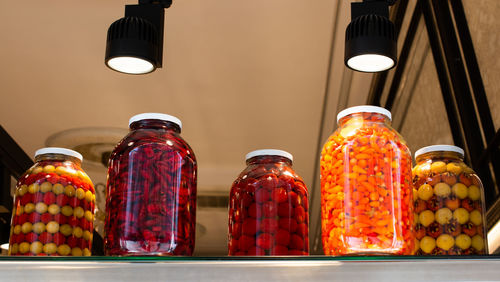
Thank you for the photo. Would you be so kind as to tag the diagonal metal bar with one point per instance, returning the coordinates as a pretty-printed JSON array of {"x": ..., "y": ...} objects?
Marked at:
[
  {"x": 403, "y": 57},
  {"x": 439, "y": 62},
  {"x": 478, "y": 90},
  {"x": 455, "y": 87},
  {"x": 379, "y": 79},
  {"x": 15, "y": 160}
]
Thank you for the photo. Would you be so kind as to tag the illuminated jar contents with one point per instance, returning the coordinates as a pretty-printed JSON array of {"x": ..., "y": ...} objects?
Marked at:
[
  {"x": 366, "y": 193},
  {"x": 268, "y": 208},
  {"x": 53, "y": 207},
  {"x": 151, "y": 190},
  {"x": 449, "y": 204}
]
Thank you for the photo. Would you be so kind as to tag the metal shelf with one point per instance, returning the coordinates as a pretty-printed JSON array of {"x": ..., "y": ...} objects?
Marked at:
[{"x": 314, "y": 268}]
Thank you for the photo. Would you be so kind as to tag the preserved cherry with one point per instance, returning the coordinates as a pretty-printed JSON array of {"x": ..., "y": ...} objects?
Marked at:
[
  {"x": 454, "y": 201},
  {"x": 53, "y": 207},
  {"x": 268, "y": 208},
  {"x": 151, "y": 190},
  {"x": 366, "y": 194}
]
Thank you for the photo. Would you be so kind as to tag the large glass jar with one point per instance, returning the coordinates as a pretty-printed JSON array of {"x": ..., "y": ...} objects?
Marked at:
[
  {"x": 268, "y": 208},
  {"x": 366, "y": 193},
  {"x": 53, "y": 207},
  {"x": 449, "y": 204},
  {"x": 151, "y": 190}
]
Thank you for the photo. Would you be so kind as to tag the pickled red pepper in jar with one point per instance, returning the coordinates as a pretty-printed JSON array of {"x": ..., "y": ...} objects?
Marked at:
[
  {"x": 268, "y": 208},
  {"x": 151, "y": 190},
  {"x": 53, "y": 207},
  {"x": 366, "y": 191},
  {"x": 449, "y": 204}
]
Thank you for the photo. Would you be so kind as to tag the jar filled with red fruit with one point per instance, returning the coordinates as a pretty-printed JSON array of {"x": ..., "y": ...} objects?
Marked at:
[
  {"x": 53, "y": 207},
  {"x": 151, "y": 190},
  {"x": 366, "y": 193},
  {"x": 449, "y": 204},
  {"x": 268, "y": 208}
]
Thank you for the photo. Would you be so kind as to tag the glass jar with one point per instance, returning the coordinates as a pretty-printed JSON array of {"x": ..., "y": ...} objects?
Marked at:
[
  {"x": 268, "y": 208},
  {"x": 366, "y": 193},
  {"x": 53, "y": 207},
  {"x": 449, "y": 204},
  {"x": 151, "y": 190}
]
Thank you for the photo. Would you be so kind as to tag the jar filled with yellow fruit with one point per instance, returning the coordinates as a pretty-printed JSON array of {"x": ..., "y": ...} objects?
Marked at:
[
  {"x": 449, "y": 204},
  {"x": 53, "y": 207}
]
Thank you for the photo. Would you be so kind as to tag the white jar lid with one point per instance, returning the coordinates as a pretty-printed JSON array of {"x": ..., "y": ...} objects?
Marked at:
[
  {"x": 364, "y": 109},
  {"x": 269, "y": 152},
  {"x": 158, "y": 116},
  {"x": 56, "y": 150},
  {"x": 439, "y": 148}
]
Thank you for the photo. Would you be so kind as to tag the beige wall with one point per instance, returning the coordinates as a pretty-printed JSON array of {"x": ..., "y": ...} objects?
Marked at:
[{"x": 483, "y": 20}]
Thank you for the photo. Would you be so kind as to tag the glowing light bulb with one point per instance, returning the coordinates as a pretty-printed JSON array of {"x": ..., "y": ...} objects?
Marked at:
[
  {"x": 130, "y": 65},
  {"x": 370, "y": 63}
]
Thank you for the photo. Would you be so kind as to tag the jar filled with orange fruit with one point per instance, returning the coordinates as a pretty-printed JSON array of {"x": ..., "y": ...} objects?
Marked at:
[
  {"x": 449, "y": 204},
  {"x": 366, "y": 192}
]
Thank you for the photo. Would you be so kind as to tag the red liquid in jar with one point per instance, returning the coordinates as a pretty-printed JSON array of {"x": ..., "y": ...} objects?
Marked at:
[
  {"x": 151, "y": 193},
  {"x": 268, "y": 210}
]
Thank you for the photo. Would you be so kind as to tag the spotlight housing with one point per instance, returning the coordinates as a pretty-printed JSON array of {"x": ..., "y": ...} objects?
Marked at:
[
  {"x": 370, "y": 39},
  {"x": 135, "y": 42}
]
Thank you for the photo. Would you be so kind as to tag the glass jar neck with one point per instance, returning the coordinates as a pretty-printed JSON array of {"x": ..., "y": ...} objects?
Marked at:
[
  {"x": 440, "y": 155},
  {"x": 155, "y": 124},
  {"x": 370, "y": 117},
  {"x": 58, "y": 157},
  {"x": 268, "y": 159}
]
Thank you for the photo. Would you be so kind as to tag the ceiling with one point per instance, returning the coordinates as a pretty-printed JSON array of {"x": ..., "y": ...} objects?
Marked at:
[{"x": 241, "y": 75}]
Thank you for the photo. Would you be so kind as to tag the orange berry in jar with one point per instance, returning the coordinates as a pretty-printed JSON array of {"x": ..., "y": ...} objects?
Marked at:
[
  {"x": 465, "y": 179},
  {"x": 449, "y": 178},
  {"x": 453, "y": 228},
  {"x": 419, "y": 231},
  {"x": 469, "y": 229},
  {"x": 420, "y": 205},
  {"x": 433, "y": 180},
  {"x": 367, "y": 190},
  {"x": 467, "y": 204},
  {"x": 452, "y": 202}
]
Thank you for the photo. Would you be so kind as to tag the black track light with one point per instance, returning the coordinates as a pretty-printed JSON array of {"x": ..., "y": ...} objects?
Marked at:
[
  {"x": 135, "y": 42},
  {"x": 370, "y": 39}
]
